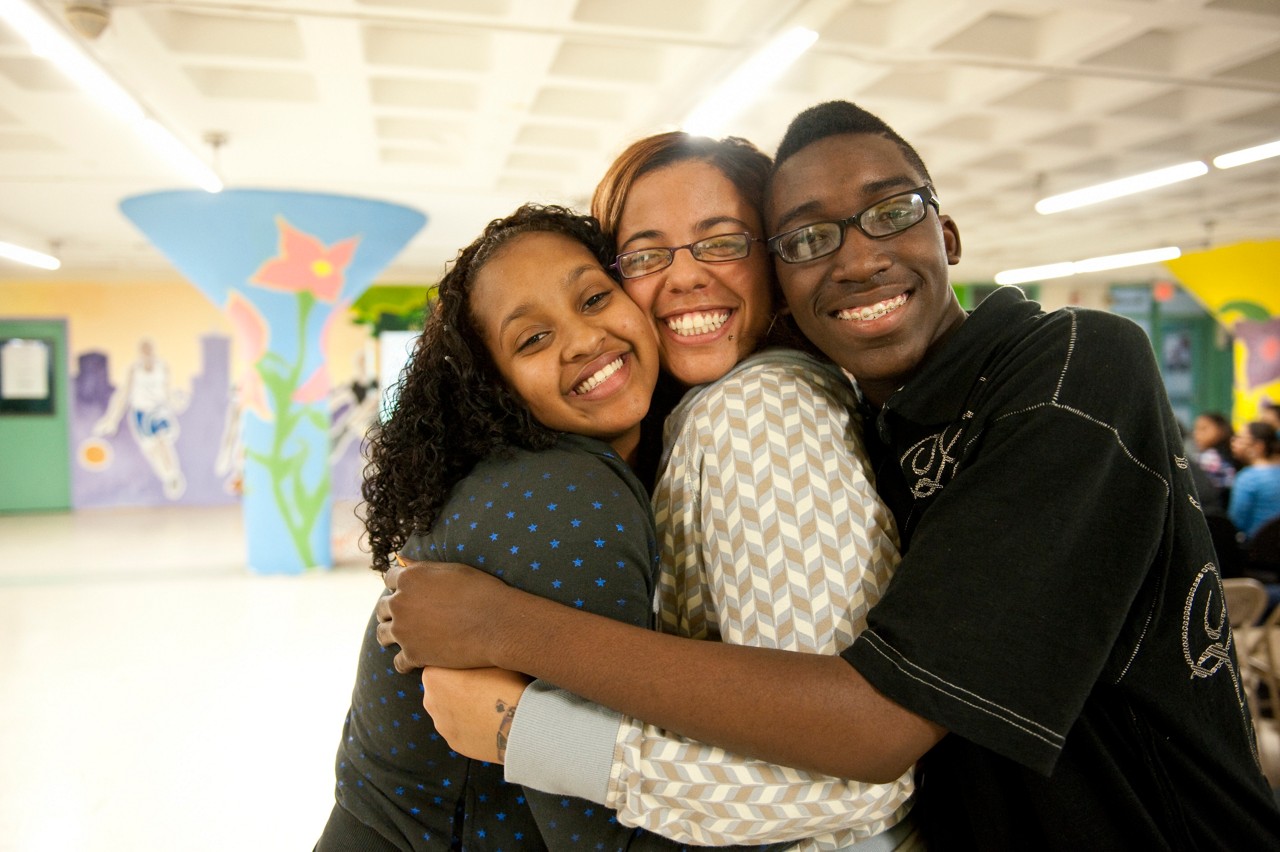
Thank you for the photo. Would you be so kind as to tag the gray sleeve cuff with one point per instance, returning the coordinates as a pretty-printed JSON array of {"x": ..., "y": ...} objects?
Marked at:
[{"x": 562, "y": 744}]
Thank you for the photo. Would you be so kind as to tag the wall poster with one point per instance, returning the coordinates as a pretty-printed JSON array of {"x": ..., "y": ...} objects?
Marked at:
[{"x": 27, "y": 384}]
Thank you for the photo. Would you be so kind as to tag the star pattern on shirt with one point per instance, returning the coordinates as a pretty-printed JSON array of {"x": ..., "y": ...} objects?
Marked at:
[{"x": 560, "y": 544}]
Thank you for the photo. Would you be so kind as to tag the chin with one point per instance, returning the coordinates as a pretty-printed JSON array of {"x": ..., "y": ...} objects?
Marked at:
[{"x": 705, "y": 370}]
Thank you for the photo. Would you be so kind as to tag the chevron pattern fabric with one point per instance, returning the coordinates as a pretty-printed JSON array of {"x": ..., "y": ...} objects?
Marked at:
[{"x": 772, "y": 535}]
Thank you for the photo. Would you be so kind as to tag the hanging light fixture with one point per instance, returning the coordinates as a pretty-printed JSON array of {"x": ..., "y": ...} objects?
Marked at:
[{"x": 51, "y": 40}]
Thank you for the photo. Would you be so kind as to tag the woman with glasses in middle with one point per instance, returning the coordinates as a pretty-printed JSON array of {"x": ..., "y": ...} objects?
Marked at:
[{"x": 771, "y": 532}]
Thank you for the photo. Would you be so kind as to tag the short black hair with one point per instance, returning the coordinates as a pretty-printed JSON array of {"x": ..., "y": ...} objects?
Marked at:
[{"x": 834, "y": 118}]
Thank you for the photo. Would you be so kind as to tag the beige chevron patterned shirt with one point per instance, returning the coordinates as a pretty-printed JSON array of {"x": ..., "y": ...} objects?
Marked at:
[{"x": 771, "y": 534}]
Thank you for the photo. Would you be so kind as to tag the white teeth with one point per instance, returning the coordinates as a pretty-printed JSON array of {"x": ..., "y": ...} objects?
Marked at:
[
  {"x": 875, "y": 311},
  {"x": 698, "y": 322},
  {"x": 598, "y": 377}
]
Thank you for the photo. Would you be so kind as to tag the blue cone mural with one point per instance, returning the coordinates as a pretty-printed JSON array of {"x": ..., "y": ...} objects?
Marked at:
[{"x": 283, "y": 265}]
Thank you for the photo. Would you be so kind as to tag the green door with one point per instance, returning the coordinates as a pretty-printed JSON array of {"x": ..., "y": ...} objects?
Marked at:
[{"x": 35, "y": 460}]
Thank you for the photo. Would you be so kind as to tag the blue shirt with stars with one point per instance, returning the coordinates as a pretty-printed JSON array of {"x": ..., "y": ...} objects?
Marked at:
[{"x": 571, "y": 524}]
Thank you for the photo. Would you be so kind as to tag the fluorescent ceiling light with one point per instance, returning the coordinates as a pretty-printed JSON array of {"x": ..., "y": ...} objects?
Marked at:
[
  {"x": 53, "y": 42},
  {"x": 178, "y": 155},
  {"x": 1092, "y": 264},
  {"x": 28, "y": 256},
  {"x": 1247, "y": 155},
  {"x": 745, "y": 84},
  {"x": 1036, "y": 273},
  {"x": 1123, "y": 186}
]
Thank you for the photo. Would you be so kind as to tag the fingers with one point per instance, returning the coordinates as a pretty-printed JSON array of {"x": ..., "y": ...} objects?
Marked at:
[
  {"x": 391, "y": 578},
  {"x": 385, "y": 637},
  {"x": 402, "y": 663}
]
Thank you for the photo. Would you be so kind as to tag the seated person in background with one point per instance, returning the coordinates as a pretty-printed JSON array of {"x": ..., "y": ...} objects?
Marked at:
[
  {"x": 1255, "y": 497},
  {"x": 1269, "y": 413},
  {"x": 1212, "y": 436}
]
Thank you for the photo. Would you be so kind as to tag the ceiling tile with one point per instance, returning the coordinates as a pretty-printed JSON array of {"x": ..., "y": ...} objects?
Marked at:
[
  {"x": 577, "y": 103},
  {"x": 259, "y": 84},
  {"x": 601, "y": 62},
  {"x": 440, "y": 50},
  {"x": 34, "y": 74},
  {"x": 267, "y": 37},
  {"x": 417, "y": 93}
]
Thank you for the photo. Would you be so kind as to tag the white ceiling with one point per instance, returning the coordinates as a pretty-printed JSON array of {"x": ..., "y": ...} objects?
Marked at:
[{"x": 465, "y": 108}]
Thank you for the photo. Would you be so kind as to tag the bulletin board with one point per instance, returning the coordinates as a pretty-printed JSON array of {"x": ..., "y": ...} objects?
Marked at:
[{"x": 27, "y": 381}]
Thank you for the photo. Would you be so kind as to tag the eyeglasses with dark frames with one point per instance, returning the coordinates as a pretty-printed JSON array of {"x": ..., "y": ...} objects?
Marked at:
[
  {"x": 721, "y": 248},
  {"x": 886, "y": 218}
]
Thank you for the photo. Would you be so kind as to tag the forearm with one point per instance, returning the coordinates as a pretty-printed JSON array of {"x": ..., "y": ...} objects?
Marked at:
[{"x": 809, "y": 711}]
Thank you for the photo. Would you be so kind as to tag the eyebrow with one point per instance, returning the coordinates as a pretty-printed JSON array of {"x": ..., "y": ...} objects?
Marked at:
[
  {"x": 702, "y": 225},
  {"x": 872, "y": 188},
  {"x": 524, "y": 308}
]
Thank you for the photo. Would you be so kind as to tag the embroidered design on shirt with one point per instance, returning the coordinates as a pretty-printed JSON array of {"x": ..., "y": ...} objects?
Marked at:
[
  {"x": 1206, "y": 633},
  {"x": 931, "y": 463}
]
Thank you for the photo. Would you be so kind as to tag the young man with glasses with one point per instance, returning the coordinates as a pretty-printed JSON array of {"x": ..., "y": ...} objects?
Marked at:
[{"x": 1054, "y": 647}]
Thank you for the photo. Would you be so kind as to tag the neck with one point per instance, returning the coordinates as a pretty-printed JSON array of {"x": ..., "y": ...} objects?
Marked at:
[
  {"x": 875, "y": 393},
  {"x": 627, "y": 445}
]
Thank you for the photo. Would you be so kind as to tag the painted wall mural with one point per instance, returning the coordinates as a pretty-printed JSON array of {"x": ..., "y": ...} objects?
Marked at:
[
  {"x": 1240, "y": 286},
  {"x": 151, "y": 438},
  {"x": 284, "y": 267},
  {"x": 105, "y": 331}
]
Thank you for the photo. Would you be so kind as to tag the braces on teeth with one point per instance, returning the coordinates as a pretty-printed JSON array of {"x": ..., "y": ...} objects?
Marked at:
[{"x": 874, "y": 311}]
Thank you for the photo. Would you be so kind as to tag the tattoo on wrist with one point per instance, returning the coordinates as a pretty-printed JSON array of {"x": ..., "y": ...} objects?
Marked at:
[{"x": 508, "y": 712}]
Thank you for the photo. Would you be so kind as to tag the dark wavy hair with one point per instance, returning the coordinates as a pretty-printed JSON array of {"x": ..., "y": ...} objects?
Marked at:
[
  {"x": 1260, "y": 430},
  {"x": 745, "y": 165},
  {"x": 453, "y": 408}
]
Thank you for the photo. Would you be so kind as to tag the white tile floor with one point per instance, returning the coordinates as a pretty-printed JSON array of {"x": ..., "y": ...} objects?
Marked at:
[{"x": 156, "y": 696}]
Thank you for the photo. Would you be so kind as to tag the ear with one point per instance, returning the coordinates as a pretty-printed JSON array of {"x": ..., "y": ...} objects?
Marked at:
[{"x": 950, "y": 239}]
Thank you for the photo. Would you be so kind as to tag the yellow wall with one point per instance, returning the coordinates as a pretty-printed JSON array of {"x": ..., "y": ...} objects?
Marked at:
[
  {"x": 1239, "y": 282},
  {"x": 113, "y": 317}
]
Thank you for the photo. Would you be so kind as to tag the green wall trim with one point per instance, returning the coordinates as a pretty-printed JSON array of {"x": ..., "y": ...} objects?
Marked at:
[{"x": 35, "y": 465}]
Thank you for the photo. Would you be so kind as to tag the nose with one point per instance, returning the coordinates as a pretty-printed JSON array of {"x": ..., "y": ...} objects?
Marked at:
[
  {"x": 582, "y": 339},
  {"x": 860, "y": 258},
  {"x": 686, "y": 273}
]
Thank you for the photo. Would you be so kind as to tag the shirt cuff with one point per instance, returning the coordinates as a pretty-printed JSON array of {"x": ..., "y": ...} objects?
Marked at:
[{"x": 560, "y": 743}]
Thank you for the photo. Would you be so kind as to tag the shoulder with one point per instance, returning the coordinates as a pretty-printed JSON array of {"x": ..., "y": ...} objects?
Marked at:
[
  {"x": 1116, "y": 331},
  {"x": 576, "y": 480},
  {"x": 779, "y": 373},
  {"x": 782, "y": 399},
  {"x": 1088, "y": 351},
  {"x": 571, "y": 459},
  {"x": 1070, "y": 326},
  {"x": 1248, "y": 475}
]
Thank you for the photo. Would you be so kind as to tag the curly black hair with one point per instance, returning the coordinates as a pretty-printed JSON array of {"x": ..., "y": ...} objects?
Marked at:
[{"x": 453, "y": 408}]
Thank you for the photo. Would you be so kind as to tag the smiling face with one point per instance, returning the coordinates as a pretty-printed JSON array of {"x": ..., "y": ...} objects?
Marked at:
[
  {"x": 876, "y": 307},
  {"x": 566, "y": 339},
  {"x": 708, "y": 316}
]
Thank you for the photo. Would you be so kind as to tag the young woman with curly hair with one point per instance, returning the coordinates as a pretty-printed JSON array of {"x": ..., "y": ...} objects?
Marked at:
[{"x": 517, "y": 415}]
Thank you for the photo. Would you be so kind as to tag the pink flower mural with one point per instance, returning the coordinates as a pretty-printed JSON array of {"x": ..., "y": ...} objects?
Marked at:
[
  {"x": 251, "y": 335},
  {"x": 306, "y": 265},
  {"x": 283, "y": 265}
]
